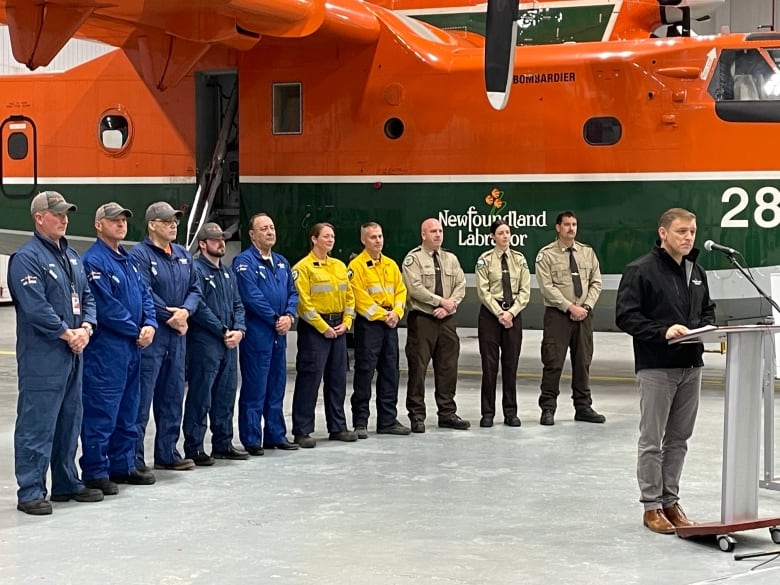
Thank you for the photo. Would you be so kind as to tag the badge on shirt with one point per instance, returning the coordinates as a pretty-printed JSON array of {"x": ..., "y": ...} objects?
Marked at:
[
  {"x": 539, "y": 256},
  {"x": 350, "y": 274},
  {"x": 29, "y": 279},
  {"x": 241, "y": 267},
  {"x": 295, "y": 274},
  {"x": 408, "y": 261},
  {"x": 183, "y": 261},
  {"x": 75, "y": 302},
  {"x": 480, "y": 264}
]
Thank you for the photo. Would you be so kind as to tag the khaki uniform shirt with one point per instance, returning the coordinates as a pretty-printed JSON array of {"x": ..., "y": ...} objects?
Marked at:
[
  {"x": 377, "y": 285},
  {"x": 554, "y": 276},
  {"x": 490, "y": 287},
  {"x": 420, "y": 278},
  {"x": 323, "y": 287}
]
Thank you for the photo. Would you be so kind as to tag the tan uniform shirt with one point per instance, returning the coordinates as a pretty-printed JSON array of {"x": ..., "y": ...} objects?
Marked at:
[
  {"x": 420, "y": 278},
  {"x": 554, "y": 276},
  {"x": 490, "y": 287}
]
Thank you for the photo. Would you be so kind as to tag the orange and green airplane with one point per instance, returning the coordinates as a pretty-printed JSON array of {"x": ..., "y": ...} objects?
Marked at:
[{"x": 350, "y": 111}]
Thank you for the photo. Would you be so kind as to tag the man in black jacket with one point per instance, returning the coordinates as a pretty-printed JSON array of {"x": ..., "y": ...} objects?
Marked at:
[{"x": 662, "y": 295}]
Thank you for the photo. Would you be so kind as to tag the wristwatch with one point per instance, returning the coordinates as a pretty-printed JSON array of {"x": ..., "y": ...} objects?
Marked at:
[
  {"x": 588, "y": 308},
  {"x": 292, "y": 318},
  {"x": 88, "y": 328}
]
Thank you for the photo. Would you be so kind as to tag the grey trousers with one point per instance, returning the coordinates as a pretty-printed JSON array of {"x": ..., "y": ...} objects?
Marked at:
[{"x": 668, "y": 403}]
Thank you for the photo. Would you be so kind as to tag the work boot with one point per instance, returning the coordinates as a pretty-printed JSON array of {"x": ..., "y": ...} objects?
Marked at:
[
  {"x": 676, "y": 515},
  {"x": 177, "y": 465},
  {"x": 394, "y": 429},
  {"x": 203, "y": 459},
  {"x": 454, "y": 422},
  {"x": 361, "y": 432},
  {"x": 105, "y": 485},
  {"x": 418, "y": 426},
  {"x": 587, "y": 414},
  {"x": 657, "y": 521},
  {"x": 548, "y": 417},
  {"x": 486, "y": 422},
  {"x": 345, "y": 436},
  {"x": 305, "y": 441},
  {"x": 39, "y": 507},
  {"x": 85, "y": 495},
  {"x": 135, "y": 477}
]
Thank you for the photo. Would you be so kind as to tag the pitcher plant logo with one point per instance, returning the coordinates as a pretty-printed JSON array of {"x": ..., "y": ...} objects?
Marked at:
[{"x": 495, "y": 200}]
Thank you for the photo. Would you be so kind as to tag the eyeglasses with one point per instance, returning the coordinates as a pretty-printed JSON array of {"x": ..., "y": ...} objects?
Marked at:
[{"x": 174, "y": 221}]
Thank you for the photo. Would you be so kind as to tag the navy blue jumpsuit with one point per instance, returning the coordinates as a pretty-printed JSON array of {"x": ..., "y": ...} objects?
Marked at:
[
  {"x": 212, "y": 374},
  {"x": 112, "y": 363},
  {"x": 51, "y": 295},
  {"x": 173, "y": 283},
  {"x": 268, "y": 292}
]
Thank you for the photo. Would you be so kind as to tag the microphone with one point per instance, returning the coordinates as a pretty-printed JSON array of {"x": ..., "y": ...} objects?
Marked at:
[{"x": 711, "y": 246}]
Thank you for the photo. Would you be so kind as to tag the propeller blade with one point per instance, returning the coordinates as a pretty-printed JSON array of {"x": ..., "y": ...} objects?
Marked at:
[{"x": 500, "y": 43}]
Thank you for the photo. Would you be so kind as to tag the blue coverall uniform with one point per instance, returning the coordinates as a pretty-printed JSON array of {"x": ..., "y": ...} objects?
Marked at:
[
  {"x": 211, "y": 367},
  {"x": 173, "y": 283},
  {"x": 51, "y": 295},
  {"x": 268, "y": 292},
  {"x": 112, "y": 363}
]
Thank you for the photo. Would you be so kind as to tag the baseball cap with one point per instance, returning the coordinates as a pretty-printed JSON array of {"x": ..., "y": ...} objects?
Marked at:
[
  {"x": 211, "y": 231},
  {"x": 51, "y": 201},
  {"x": 111, "y": 210},
  {"x": 161, "y": 210}
]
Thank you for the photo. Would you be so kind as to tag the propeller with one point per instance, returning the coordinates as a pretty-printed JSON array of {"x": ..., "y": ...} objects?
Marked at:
[{"x": 500, "y": 42}]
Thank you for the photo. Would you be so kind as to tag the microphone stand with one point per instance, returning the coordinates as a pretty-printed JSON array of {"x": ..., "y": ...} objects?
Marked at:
[{"x": 752, "y": 281}]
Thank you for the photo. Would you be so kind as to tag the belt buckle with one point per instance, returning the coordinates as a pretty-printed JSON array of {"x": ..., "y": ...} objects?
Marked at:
[{"x": 505, "y": 305}]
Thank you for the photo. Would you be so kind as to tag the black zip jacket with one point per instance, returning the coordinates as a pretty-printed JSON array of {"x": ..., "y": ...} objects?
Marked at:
[{"x": 653, "y": 295}]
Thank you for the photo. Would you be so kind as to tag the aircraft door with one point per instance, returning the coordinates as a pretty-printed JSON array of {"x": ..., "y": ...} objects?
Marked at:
[{"x": 18, "y": 157}]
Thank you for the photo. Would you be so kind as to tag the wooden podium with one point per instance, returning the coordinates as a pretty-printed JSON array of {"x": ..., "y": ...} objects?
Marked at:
[{"x": 745, "y": 368}]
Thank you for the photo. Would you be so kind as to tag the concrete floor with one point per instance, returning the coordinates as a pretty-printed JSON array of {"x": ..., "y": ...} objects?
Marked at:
[{"x": 485, "y": 506}]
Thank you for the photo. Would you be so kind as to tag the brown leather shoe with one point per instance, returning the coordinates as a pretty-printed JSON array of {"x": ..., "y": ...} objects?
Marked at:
[
  {"x": 657, "y": 521},
  {"x": 676, "y": 515}
]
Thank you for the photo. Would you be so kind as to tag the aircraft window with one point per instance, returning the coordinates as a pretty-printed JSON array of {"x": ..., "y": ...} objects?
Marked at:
[
  {"x": 287, "y": 108},
  {"x": 394, "y": 128},
  {"x": 746, "y": 75},
  {"x": 114, "y": 131},
  {"x": 603, "y": 131},
  {"x": 18, "y": 146}
]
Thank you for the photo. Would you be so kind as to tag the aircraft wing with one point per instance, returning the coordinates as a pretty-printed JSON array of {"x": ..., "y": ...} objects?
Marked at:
[{"x": 181, "y": 31}]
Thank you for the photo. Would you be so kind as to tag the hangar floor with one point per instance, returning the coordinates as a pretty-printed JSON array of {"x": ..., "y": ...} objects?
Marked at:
[{"x": 497, "y": 506}]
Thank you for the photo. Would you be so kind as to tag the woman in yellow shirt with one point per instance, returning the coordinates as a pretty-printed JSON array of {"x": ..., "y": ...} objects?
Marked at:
[{"x": 326, "y": 308}]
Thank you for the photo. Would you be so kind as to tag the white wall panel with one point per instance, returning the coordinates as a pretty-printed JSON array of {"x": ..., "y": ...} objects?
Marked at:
[{"x": 74, "y": 53}]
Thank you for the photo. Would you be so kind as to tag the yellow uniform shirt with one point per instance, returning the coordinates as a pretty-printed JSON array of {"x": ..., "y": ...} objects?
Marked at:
[
  {"x": 490, "y": 288},
  {"x": 323, "y": 287},
  {"x": 377, "y": 286}
]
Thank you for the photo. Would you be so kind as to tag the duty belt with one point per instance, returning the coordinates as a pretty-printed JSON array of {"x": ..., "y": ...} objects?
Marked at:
[
  {"x": 504, "y": 305},
  {"x": 332, "y": 318}
]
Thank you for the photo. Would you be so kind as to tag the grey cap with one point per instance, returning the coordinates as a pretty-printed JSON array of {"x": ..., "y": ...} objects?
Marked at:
[
  {"x": 161, "y": 210},
  {"x": 111, "y": 210},
  {"x": 51, "y": 201},
  {"x": 211, "y": 231}
]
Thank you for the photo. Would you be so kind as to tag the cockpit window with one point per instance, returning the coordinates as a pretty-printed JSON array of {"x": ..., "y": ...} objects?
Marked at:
[{"x": 746, "y": 75}]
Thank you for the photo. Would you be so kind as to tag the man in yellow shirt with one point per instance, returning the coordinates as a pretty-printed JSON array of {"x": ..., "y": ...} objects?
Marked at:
[{"x": 380, "y": 299}]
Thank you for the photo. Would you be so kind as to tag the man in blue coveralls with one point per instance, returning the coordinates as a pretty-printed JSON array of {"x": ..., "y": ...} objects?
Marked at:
[
  {"x": 112, "y": 361},
  {"x": 55, "y": 317},
  {"x": 167, "y": 270},
  {"x": 270, "y": 299},
  {"x": 216, "y": 329}
]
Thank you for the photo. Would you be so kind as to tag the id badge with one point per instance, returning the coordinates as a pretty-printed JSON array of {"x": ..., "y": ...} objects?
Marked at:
[{"x": 75, "y": 302}]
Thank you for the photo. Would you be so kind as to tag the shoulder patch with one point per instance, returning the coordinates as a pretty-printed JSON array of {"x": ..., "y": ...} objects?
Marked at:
[
  {"x": 295, "y": 274},
  {"x": 408, "y": 261},
  {"x": 480, "y": 264},
  {"x": 539, "y": 256},
  {"x": 350, "y": 274}
]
